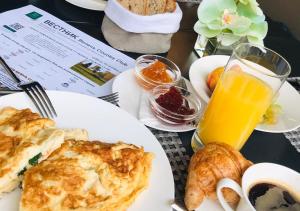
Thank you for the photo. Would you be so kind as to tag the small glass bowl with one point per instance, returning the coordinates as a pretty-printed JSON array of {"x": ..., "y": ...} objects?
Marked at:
[
  {"x": 169, "y": 116},
  {"x": 146, "y": 60}
]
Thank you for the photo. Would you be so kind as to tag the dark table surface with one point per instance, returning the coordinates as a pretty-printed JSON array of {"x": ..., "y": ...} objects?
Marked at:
[{"x": 261, "y": 147}]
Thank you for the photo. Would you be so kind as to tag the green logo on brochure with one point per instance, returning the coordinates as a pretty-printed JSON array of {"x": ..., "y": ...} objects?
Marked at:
[{"x": 34, "y": 15}]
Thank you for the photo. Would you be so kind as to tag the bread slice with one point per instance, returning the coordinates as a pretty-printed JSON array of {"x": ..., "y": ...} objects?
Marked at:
[
  {"x": 25, "y": 140},
  {"x": 87, "y": 175},
  {"x": 149, "y": 7},
  {"x": 155, "y": 7},
  {"x": 135, "y": 6},
  {"x": 170, "y": 6}
]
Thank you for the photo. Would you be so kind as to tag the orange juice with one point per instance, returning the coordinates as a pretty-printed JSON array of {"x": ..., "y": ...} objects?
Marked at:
[{"x": 236, "y": 107}]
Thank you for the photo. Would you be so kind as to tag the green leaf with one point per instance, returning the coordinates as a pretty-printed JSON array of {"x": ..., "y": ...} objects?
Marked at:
[
  {"x": 202, "y": 29},
  {"x": 258, "y": 30},
  {"x": 272, "y": 113},
  {"x": 34, "y": 161},
  {"x": 22, "y": 171}
]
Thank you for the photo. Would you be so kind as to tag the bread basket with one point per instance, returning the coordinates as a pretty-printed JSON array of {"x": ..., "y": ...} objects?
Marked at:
[{"x": 131, "y": 32}]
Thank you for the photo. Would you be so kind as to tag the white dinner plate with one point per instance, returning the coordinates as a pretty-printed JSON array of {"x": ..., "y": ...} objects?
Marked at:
[
  {"x": 109, "y": 123},
  {"x": 288, "y": 99},
  {"x": 130, "y": 95},
  {"x": 89, "y": 4}
]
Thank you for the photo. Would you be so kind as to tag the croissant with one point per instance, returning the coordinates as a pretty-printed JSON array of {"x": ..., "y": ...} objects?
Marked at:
[{"x": 207, "y": 166}]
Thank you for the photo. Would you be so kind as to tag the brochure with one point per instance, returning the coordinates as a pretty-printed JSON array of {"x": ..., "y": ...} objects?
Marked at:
[{"x": 43, "y": 48}]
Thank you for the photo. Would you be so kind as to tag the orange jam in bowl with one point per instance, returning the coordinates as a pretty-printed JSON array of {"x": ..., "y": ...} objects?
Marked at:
[{"x": 153, "y": 70}]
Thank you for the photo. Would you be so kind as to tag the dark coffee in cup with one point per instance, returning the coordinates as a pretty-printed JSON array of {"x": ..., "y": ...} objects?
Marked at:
[{"x": 268, "y": 196}]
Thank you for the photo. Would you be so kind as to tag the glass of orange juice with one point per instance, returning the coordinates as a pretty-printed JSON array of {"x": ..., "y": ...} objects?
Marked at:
[{"x": 252, "y": 77}]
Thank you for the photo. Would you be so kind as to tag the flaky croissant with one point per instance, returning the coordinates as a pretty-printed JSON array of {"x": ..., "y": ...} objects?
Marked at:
[{"x": 208, "y": 165}]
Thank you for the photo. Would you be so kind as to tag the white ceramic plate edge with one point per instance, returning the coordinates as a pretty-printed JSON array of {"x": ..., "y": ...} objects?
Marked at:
[{"x": 98, "y": 5}]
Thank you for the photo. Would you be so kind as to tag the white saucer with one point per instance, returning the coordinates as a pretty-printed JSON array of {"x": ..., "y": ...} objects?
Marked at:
[
  {"x": 89, "y": 4},
  {"x": 130, "y": 94},
  {"x": 288, "y": 99},
  {"x": 209, "y": 204}
]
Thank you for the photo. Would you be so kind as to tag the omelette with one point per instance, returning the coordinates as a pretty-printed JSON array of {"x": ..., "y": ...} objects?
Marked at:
[
  {"x": 25, "y": 140},
  {"x": 87, "y": 175}
]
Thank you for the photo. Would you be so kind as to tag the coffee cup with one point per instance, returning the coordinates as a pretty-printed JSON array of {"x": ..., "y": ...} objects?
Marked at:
[{"x": 262, "y": 173}]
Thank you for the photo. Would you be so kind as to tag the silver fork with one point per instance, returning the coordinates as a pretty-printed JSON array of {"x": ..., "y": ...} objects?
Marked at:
[
  {"x": 181, "y": 83},
  {"x": 175, "y": 206},
  {"x": 111, "y": 98},
  {"x": 35, "y": 92}
]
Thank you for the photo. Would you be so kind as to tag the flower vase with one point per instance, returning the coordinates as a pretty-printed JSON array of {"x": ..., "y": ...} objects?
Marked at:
[{"x": 212, "y": 46}]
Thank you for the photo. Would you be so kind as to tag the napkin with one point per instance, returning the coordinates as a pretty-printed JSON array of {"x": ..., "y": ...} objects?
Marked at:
[
  {"x": 160, "y": 23},
  {"x": 145, "y": 113}
]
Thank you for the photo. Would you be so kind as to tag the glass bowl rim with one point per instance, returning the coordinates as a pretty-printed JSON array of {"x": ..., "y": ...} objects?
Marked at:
[
  {"x": 234, "y": 52},
  {"x": 176, "y": 71},
  {"x": 161, "y": 109}
]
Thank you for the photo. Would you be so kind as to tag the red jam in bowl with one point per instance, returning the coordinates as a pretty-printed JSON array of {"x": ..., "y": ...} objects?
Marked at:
[{"x": 173, "y": 101}]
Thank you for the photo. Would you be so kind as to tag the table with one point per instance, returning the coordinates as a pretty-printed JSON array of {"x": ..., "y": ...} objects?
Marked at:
[{"x": 261, "y": 147}]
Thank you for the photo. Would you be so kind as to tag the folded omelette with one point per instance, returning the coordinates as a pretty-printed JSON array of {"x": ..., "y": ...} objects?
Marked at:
[
  {"x": 25, "y": 140},
  {"x": 87, "y": 175}
]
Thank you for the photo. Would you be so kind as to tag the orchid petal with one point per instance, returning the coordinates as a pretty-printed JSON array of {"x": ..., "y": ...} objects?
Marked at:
[
  {"x": 226, "y": 5},
  {"x": 215, "y": 25},
  {"x": 239, "y": 24},
  {"x": 255, "y": 40},
  {"x": 207, "y": 11},
  {"x": 243, "y": 1},
  {"x": 202, "y": 29},
  {"x": 255, "y": 15},
  {"x": 258, "y": 30},
  {"x": 255, "y": 7},
  {"x": 251, "y": 4}
]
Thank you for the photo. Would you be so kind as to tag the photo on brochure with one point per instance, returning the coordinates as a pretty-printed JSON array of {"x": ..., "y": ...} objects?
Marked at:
[{"x": 92, "y": 71}]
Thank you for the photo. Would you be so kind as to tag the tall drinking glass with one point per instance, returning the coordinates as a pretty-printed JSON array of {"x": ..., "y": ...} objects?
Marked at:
[{"x": 252, "y": 77}]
